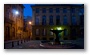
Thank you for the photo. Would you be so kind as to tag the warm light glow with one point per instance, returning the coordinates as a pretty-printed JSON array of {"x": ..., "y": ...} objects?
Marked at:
[
  {"x": 30, "y": 22},
  {"x": 59, "y": 28}
]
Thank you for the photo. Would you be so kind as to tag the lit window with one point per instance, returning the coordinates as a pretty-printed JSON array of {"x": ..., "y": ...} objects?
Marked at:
[
  {"x": 51, "y": 20},
  {"x": 44, "y": 20},
  {"x": 50, "y": 10}
]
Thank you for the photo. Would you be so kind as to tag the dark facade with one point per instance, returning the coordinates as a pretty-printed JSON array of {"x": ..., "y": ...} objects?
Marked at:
[{"x": 65, "y": 16}]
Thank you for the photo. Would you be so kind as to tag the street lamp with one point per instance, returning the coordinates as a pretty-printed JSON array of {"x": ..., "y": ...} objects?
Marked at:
[
  {"x": 30, "y": 22},
  {"x": 15, "y": 14}
]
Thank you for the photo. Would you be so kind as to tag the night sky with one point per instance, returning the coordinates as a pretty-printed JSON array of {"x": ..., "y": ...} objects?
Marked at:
[{"x": 28, "y": 10}]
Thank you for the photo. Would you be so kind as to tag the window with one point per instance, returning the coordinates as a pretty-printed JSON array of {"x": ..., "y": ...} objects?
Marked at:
[
  {"x": 43, "y": 20},
  {"x": 51, "y": 20},
  {"x": 37, "y": 31},
  {"x": 37, "y": 21},
  {"x": 81, "y": 11},
  {"x": 44, "y": 10},
  {"x": 44, "y": 32},
  {"x": 65, "y": 20},
  {"x": 50, "y": 10},
  {"x": 74, "y": 20},
  {"x": 57, "y": 20},
  {"x": 37, "y": 10},
  {"x": 64, "y": 10},
  {"x": 57, "y": 10},
  {"x": 73, "y": 10}
]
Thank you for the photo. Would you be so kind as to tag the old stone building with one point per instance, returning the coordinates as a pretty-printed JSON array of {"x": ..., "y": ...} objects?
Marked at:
[
  {"x": 48, "y": 17},
  {"x": 13, "y": 21}
]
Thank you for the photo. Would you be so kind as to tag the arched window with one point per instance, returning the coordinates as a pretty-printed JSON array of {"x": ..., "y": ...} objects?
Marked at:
[
  {"x": 74, "y": 20},
  {"x": 65, "y": 20},
  {"x": 43, "y": 20},
  {"x": 57, "y": 20},
  {"x": 51, "y": 20}
]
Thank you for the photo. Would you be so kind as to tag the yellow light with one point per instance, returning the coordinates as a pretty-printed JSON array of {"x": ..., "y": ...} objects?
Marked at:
[
  {"x": 30, "y": 22},
  {"x": 59, "y": 28}
]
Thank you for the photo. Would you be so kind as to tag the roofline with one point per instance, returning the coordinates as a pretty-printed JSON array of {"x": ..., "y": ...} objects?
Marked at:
[{"x": 77, "y": 5}]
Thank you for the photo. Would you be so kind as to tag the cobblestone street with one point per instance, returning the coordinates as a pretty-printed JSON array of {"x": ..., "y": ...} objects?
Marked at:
[{"x": 35, "y": 44}]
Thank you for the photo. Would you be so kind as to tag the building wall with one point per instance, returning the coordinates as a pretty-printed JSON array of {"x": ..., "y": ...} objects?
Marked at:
[
  {"x": 14, "y": 22},
  {"x": 47, "y": 27}
]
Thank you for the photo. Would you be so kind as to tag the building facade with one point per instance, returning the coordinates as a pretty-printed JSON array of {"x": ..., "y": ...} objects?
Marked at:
[
  {"x": 50, "y": 17},
  {"x": 13, "y": 21}
]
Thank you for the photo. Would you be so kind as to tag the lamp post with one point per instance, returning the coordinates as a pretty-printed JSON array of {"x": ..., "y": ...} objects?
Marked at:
[{"x": 30, "y": 23}]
